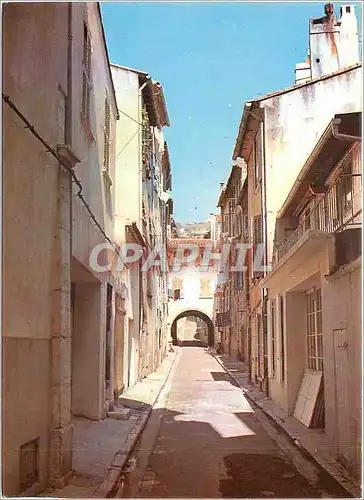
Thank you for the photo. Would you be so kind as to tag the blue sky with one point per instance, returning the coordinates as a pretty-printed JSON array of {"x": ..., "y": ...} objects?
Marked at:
[{"x": 210, "y": 59}]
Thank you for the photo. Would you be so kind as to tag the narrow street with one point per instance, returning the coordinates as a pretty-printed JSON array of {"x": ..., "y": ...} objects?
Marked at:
[{"x": 204, "y": 440}]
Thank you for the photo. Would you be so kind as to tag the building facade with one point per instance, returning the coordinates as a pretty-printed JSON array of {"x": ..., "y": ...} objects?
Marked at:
[
  {"x": 314, "y": 293},
  {"x": 301, "y": 206},
  {"x": 90, "y": 325},
  {"x": 58, "y": 198},
  {"x": 142, "y": 215},
  {"x": 274, "y": 129},
  {"x": 193, "y": 265}
]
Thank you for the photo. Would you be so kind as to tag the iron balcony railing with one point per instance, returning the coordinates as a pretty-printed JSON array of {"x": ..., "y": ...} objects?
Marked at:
[{"x": 339, "y": 208}]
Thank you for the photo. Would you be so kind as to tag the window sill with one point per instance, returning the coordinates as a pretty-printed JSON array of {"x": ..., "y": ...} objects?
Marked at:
[{"x": 107, "y": 178}]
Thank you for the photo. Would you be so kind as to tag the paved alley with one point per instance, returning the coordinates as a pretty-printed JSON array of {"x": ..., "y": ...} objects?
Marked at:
[{"x": 205, "y": 440}]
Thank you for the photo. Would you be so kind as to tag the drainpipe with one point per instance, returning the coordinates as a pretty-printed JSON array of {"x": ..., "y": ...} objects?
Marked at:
[
  {"x": 342, "y": 137},
  {"x": 140, "y": 192},
  {"x": 264, "y": 220},
  {"x": 68, "y": 124},
  {"x": 68, "y": 117}
]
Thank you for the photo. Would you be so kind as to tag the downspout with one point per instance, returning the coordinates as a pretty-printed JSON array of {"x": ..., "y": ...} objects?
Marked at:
[
  {"x": 68, "y": 124},
  {"x": 264, "y": 220},
  {"x": 68, "y": 117}
]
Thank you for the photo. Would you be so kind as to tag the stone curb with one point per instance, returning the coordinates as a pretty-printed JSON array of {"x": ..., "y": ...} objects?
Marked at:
[
  {"x": 345, "y": 482},
  {"x": 110, "y": 485}
]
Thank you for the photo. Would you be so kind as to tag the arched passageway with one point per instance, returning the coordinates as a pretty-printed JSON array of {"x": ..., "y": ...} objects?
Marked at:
[{"x": 199, "y": 337}]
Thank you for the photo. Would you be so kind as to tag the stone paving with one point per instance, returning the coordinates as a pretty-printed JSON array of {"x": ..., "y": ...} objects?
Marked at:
[
  {"x": 101, "y": 448},
  {"x": 204, "y": 439},
  {"x": 312, "y": 441}
]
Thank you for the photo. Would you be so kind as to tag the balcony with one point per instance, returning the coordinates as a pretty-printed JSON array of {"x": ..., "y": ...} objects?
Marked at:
[{"x": 338, "y": 209}]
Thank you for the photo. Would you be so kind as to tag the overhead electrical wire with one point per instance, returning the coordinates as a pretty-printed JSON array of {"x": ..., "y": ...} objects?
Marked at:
[{"x": 52, "y": 151}]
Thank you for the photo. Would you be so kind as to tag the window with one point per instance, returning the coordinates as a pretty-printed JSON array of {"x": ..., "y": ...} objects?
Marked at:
[
  {"x": 257, "y": 239},
  {"x": 238, "y": 218},
  {"x": 307, "y": 219},
  {"x": 239, "y": 280},
  {"x": 231, "y": 220},
  {"x": 257, "y": 230},
  {"x": 106, "y": 161},
  {"x": 344, "y": 196},
  {"x": 246, "y": 226},
  {"x": 86, "y": 75},
  {"x": 282, "y": 350},
  {"x": 177, "y": 285},
  {"x": 315, "y": 358},
  {"x": 205, "y": 289}
]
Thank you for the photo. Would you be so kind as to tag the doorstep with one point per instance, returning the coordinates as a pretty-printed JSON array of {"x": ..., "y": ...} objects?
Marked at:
[
  {"x": 312, "y": 441},
  {"x": 102, "y": 448}
]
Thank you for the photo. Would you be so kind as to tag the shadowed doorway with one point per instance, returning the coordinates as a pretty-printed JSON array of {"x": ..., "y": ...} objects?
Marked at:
[{"x": 192, "y": 328}]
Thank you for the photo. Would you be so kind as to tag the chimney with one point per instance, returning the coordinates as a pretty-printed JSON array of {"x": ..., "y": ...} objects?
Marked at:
[{"x": 333, "y": 44}]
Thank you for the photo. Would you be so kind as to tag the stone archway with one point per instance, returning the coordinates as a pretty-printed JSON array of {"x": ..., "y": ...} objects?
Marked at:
[{"x": 196, "y": 313}]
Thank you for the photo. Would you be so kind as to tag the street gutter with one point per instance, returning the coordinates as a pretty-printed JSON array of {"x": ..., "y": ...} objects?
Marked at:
[
  {"x": 344, "y": 481},
  {"x": 110, "y": 486}
]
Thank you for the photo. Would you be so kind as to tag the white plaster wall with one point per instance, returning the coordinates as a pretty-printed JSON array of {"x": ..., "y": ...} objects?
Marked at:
[
  {"x": 294, "y": 122},
  {"x": 191, "y": 293}
]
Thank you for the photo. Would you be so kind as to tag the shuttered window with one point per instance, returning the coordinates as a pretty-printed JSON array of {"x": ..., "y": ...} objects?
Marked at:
[
  {"x": 177, "y": 285},
  {"x": 86, "y": 76},
  {"x": 257, "y": 240},
  {"x": 257, "y": 230},
  {"x": 205, "y": 289},
  {"x": 106, "y": 161}
]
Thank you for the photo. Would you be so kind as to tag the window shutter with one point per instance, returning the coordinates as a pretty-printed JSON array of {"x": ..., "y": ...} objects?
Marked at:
[{"x": 106, "y": 162}]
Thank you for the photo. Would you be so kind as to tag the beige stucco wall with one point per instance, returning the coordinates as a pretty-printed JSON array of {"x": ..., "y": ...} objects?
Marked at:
[
  {"x": 30, "y": 175},
  {"x": 37, "y": 260}
]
